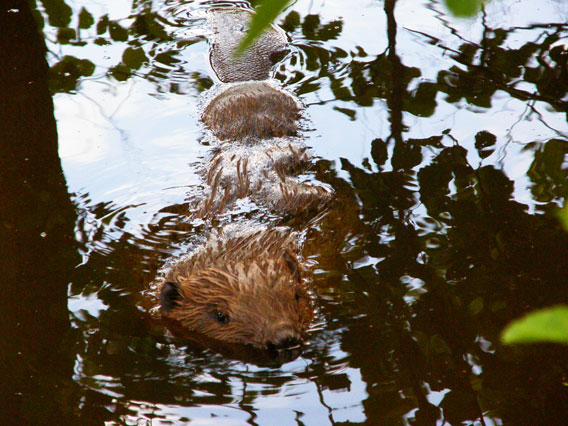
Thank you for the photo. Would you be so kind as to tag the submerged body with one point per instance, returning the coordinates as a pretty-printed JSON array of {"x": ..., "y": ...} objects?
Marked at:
[{"x": 252, "y": 110}]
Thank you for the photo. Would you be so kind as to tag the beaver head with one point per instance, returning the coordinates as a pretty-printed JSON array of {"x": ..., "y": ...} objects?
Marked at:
[{"x": 260, "y": 301}]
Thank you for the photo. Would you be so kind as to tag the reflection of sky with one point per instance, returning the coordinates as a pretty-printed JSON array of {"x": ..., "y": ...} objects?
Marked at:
[
  {"x": 297, "y": 399},
  {"x": 113, "y": 136},
  {"x": 110, "y": 143},
  {"x": 336, "y": 136},
  {"x": 131, "y": 143},
  {"x": 125, "y": 142}
]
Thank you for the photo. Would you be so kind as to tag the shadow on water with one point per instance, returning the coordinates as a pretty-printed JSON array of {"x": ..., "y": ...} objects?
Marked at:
[{"x": 421, "y": 262}]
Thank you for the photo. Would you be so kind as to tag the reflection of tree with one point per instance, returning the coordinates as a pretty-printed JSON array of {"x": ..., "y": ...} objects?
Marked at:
[
  {"x": 150, "y": 50},
  {"x": 481, "y": 261},
  {"x": 37, "y": 248},
  {"x": 439, "y": 288},
  {"x": 548, "y": 173},
  {"x": 480, "y": 71},
  {"x": 491, "y": 66}
]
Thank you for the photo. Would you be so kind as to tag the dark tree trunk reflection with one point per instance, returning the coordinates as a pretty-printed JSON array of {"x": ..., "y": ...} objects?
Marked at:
[{"x": 36, "y": 233}]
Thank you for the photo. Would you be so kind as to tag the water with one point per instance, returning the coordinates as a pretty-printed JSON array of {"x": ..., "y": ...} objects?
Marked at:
[{"x": 444, "y": 139}]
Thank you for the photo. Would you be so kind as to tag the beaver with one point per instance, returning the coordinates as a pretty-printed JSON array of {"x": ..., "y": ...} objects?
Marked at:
[
  {"x": 268, "y": 112},
  {"x": 226, "y": 28},
  {"x": 242, "y": 287},
  {"x": 246, "y": 284}
]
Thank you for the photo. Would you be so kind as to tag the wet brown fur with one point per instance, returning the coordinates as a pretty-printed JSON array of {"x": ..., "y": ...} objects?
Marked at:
[
  {"x": 294, "y": 198},
  {"x": 253, "y": 281},
  {"x": 252, "y": 110}
]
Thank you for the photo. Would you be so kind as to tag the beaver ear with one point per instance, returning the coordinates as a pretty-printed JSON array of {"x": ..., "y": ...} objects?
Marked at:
[
  {"x": 292, "y": 264},
  {"x": 169, "y": 296}
]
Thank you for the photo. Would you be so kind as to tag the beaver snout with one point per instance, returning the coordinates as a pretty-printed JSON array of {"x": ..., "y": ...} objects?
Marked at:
[{"x": 283, "y": 336}]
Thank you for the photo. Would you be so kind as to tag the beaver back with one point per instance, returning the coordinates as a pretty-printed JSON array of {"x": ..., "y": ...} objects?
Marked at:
[{"x": 252, "y": 110}]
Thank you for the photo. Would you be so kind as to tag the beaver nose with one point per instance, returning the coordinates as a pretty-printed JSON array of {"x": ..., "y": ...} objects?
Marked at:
[{"x": 284, "y": 337}]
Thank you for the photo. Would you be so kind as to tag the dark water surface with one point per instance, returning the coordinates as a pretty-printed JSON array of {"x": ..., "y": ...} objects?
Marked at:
[{"x": 445, "y": 139}]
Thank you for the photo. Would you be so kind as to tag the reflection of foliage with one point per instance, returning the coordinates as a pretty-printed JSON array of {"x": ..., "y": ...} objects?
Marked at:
[
  {"x": 65, "y": 74},
  {"x": 268, "y": 10},
  {"x": 353, "y": 76},
  {"x": 439, "y": 254},
  {"x": 58, "y": 13},
  {"x": 312, "y": 29},
  {"x": 436, "y": 289},
  {"x": 478, "y": 259},
  {"x": 501, "y": 68},
  {"x": 148, "y": 48},
  {"x": 548, "y": 172},
  {"x": 481, "y": 70}
]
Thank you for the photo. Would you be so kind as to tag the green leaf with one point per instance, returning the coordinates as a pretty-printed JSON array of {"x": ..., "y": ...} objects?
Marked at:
[
  {"x": 563, "y": 216},
  {"x": 546, "y": 325},
  {"x": 261, "y": 20},
  {"x": 464, "y": 8}
]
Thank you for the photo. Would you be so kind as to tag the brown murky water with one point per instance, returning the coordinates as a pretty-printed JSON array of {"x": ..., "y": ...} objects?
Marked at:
[{"x": 445, "y": 140}]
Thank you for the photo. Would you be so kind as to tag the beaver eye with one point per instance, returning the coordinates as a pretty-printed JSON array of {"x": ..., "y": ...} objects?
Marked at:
[{"x": 221, "y": 317}]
